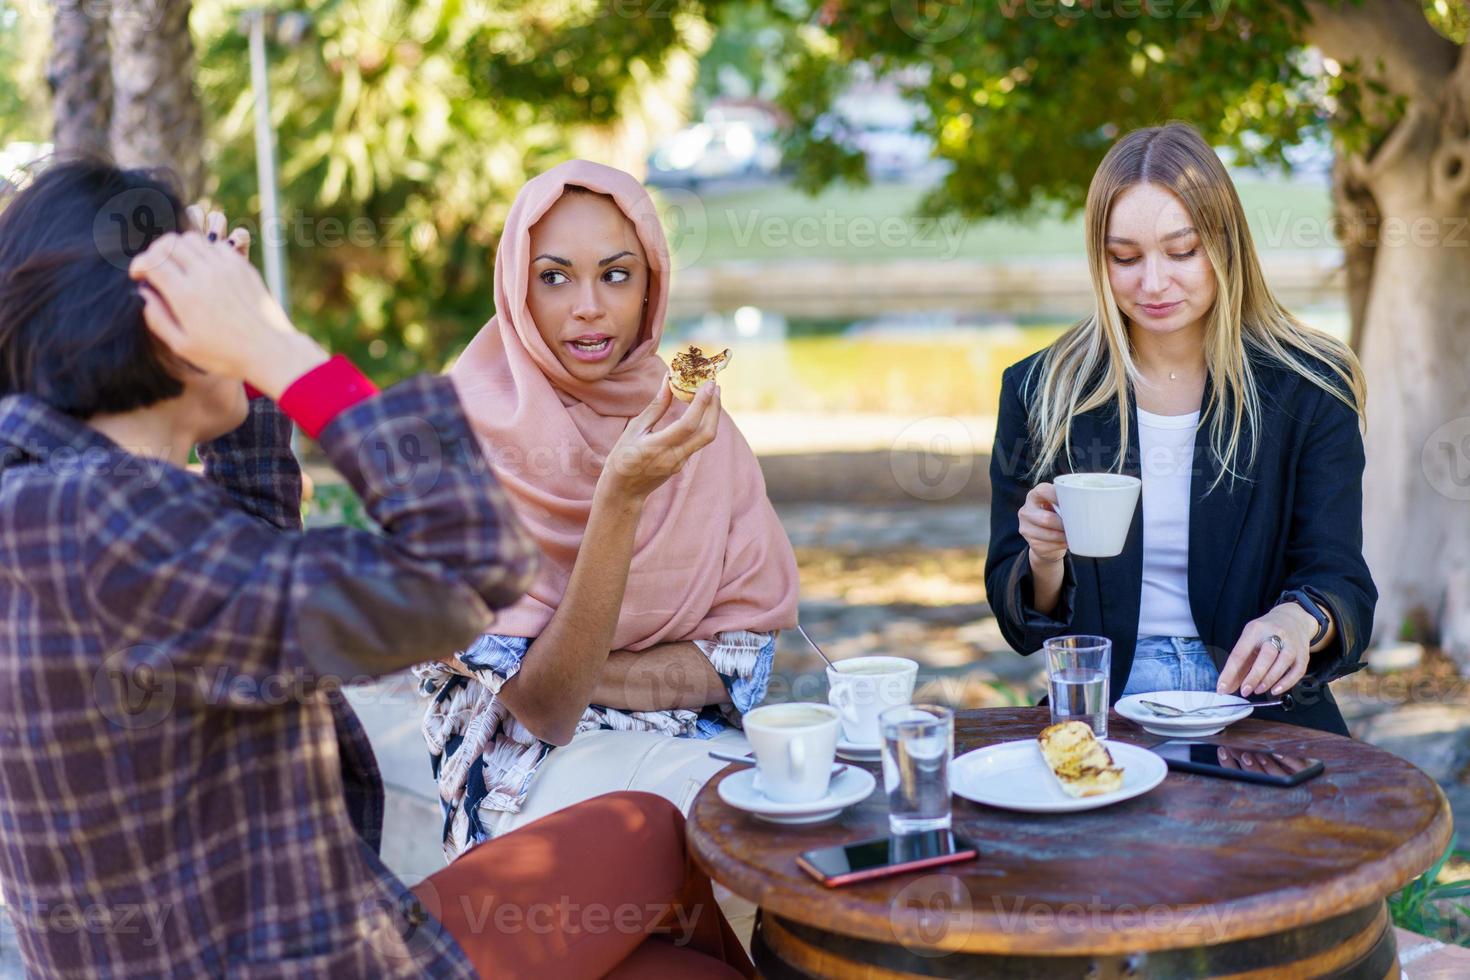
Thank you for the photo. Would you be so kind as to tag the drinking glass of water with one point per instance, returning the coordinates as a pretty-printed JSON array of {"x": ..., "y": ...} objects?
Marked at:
[
  {"x": 1077, "y": 673},
  {"x": 918, "y": 742}
]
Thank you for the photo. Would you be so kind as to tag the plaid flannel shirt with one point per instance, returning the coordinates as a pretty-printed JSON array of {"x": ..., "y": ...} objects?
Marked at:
[{"x": 183, "y": 790}]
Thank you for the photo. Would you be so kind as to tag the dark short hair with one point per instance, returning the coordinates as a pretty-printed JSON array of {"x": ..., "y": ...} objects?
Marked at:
[{"x": 71, "y": 321}]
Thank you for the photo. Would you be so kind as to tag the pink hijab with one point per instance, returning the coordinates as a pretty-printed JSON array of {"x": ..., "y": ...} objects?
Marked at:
[{"x": 709, "y": 554}]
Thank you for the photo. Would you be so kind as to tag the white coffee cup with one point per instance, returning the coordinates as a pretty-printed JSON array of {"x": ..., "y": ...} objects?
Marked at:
[
  {"x": 862, "y": 688},
  {"x": 794, "y": 746},
  {"x": 1097, "y": 511}
]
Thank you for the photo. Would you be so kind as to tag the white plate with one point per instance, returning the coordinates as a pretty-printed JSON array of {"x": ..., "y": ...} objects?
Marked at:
[
  {"x": 852, "y": 786},
  {"x": 858, "y": 751},
  {"x": 1199, "y": 726},
  {"x": 1014, "y": 776}
]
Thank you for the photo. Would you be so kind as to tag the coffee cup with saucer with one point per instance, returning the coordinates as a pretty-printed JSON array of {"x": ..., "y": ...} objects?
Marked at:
[
  {"x": 792, "y": 781},
  {"x": 862, "y": 688}
]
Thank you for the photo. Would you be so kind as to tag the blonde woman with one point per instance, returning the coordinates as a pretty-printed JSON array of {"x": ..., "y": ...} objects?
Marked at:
[{"x": 1243, "y": 570}]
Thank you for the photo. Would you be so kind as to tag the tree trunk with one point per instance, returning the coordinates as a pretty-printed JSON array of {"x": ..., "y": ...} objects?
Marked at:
[
  {"x": 1414, "y": 85},
  {"x": 1416, "y": 353},
  {"x": 1357, "y": 218},
  {"x": 80, "y": 76},
  {"x": 156, "y": 116}
]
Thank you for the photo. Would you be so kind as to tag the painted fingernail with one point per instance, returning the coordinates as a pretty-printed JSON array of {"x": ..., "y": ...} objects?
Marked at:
[{"x": 213, "y": 236}]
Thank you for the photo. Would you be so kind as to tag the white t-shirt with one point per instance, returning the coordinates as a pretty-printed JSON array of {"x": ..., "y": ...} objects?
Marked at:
[{"x": 1166, "y": 456}]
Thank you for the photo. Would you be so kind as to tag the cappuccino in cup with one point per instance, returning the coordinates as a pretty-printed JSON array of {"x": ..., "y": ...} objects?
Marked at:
[{"x": 794, "y": 746}]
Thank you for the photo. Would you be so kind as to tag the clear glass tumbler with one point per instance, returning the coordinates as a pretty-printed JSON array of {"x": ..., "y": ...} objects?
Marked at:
[
  {"x": 1077, "y": 673},
  {"x": 918, "y": 743}
]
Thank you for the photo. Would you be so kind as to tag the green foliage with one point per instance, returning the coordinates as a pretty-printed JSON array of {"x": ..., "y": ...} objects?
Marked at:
[
  {"x": 405, "y": 127},
  {"x": 1427, "y": 906},
  {"x": 335, "y": 504},
  {"x": 405, "y": 130},
  {"x": 747, "y": 46},
  {"x": 1024, "y": 96},
  {"x": 1449, "y": 18},
  {"x": 21, "y": 67}
]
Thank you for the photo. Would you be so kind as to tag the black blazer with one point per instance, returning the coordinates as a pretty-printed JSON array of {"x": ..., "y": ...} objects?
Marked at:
[{"x": 1297, "y": 522}]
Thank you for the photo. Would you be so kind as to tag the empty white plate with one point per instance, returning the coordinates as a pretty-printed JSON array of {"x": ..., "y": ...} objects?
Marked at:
[
  {"x": 1014, "y": 776},
  {"x": 1198, "y": 726},
  {"x": 853, "y": 785}
]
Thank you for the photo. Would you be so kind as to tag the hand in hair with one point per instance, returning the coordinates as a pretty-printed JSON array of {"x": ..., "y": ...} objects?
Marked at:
[
  {"x": 209, "y": 306},
  {"x": 213, "y": 226}
]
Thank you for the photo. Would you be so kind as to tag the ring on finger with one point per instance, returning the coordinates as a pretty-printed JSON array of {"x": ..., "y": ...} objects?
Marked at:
[{"x": 1275, "y": 641}]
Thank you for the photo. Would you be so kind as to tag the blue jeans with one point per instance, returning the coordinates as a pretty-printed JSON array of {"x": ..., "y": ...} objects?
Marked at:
[{"x": 1171, "y": 663}]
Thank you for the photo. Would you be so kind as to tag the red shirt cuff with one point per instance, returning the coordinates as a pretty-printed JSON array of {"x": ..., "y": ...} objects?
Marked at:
[{"x": 324, "y": 392}]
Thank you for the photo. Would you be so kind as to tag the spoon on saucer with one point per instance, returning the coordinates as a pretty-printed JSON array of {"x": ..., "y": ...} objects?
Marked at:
[
  {"x": 749, "y": 760},
  {"x": 1169, "y": 711}
]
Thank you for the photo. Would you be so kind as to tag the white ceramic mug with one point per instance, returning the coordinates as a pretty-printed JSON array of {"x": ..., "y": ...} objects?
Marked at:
[
  {"x": 1097, "y": 511},
  {"x": 794, "y": 746},
  {"x": 862, "y": 688}
]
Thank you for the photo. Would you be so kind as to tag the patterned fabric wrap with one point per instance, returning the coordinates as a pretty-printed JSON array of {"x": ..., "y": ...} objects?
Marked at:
[{"x": 484, "y": 759}]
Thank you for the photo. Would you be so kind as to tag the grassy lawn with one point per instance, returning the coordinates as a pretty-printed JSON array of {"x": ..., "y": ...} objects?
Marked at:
[
  {"x": 920, "y": 377},
  {"x": 815, "y": 369},
  {"x": 876, "y": 222}
]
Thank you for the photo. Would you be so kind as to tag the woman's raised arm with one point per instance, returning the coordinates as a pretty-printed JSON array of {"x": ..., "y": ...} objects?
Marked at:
[{"x": 561, "y": 670}]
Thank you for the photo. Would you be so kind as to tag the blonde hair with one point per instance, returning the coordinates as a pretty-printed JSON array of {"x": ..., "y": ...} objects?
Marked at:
[{"x": 1092, "y": 362}]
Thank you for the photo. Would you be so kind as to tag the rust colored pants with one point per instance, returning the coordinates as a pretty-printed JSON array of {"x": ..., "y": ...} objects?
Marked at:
[{"x": 605, "y": 888}]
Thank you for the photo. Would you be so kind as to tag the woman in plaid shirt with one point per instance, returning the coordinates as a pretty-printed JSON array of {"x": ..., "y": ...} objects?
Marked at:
[{"x": 183, "y": 789}]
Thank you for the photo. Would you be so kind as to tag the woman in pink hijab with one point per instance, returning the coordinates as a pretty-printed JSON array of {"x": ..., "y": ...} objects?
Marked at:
[{"x": 667, "y": 574}]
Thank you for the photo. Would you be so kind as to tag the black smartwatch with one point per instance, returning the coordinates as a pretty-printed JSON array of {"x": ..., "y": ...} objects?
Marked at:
[{"x": 1307, "y": 600}]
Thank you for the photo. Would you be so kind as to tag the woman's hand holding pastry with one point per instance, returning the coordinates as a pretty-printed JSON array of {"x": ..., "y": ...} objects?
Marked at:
[{"x": 643, "y": 459}]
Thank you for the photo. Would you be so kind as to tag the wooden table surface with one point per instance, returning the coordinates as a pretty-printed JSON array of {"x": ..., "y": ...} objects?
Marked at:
[{"x": 1196, "y": 861}]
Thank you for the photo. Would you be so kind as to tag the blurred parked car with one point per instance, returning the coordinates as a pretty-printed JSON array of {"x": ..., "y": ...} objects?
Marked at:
[
  {"x": 725, "y": 144},
  {"x": 895, "y": 154}
]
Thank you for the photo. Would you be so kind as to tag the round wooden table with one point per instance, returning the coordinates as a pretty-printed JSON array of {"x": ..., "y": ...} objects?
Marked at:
[{"x": 1201, "y": 877}]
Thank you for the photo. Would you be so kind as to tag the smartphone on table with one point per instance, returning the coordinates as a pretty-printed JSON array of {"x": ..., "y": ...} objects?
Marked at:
[
  {"x": 883, "y": 856},
  {"x": 1237, "y": 762}
]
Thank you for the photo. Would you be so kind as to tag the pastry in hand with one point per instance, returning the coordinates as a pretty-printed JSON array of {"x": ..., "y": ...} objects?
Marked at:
[
  {"x": 691, "y": 368},
  {"x": 1081, "y": 763}
]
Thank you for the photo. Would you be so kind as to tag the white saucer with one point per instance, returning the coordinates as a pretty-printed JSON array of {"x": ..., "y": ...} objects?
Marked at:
[
  {"x": 1015, "y": 776},
  {"x": 853, "y": 785},
  {"x": 1198, "y": 726},
  {"x": 858, "y": 751}
]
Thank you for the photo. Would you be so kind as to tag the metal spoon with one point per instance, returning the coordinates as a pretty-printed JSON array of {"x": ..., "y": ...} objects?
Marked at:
[
  {"x": 1169, "y": 711},
  {"x": 749, "y": 760},
  {"x": 815, "y": 647}
]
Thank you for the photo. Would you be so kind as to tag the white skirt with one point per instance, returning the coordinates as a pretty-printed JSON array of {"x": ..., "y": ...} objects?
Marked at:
[{"x": 605, "y": 761}]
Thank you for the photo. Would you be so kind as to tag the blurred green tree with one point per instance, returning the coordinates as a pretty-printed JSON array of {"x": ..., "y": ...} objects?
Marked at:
[
  {"x": 22, "y": 68},
  {"x": 405, "y": 130},
  {"x": 1025, "y": 96}
]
